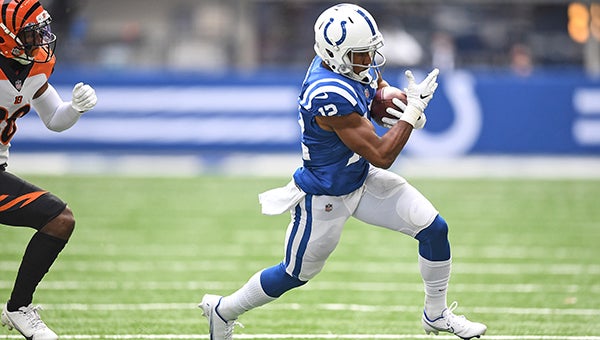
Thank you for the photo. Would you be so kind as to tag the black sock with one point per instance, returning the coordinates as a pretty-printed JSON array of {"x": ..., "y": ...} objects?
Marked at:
[{"x": 39, "y": 256}]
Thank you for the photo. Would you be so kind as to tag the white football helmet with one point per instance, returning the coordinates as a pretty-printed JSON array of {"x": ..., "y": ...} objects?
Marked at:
[{"x": 343, "y": 30}]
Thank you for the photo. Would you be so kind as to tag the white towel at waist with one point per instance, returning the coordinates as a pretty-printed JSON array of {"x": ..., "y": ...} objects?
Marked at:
[{"x": 279, "y": 200}]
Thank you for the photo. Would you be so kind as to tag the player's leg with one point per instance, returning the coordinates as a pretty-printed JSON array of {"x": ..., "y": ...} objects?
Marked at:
[
  {"x": 263, "y": 287},
  {"x": 435, "y": 266},
  {"x": 313, "y": 233},
  {"x": 26, "y": 205},
  {"x": 391, "y": 202}
]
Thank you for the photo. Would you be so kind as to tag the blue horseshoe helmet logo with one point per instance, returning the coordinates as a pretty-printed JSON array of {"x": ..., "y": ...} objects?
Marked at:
[{"x": 343, "y": 25}]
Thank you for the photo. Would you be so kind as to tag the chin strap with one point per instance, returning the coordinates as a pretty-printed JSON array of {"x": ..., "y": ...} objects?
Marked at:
[{"x": 22, "y": 60}]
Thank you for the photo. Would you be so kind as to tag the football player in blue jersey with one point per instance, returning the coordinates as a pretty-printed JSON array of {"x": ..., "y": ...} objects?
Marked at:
[{"x": 343, "y": 176}]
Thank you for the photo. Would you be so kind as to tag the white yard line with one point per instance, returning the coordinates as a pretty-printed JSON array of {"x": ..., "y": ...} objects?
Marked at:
[
  {"x": 324, "y": 306},
  {"x": 312, "y": 336},
  {"x": 315, "y": 286},
  {"x": 129, "y": 266}
]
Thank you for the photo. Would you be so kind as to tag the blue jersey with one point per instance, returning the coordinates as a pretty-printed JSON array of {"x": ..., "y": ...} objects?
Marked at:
[{"x": 329, "y": 166}]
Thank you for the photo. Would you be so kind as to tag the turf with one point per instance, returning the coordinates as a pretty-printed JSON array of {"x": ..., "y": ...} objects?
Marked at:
[{"x": 145, "y": 250}]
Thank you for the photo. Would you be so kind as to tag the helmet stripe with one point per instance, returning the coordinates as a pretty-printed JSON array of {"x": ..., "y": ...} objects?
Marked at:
[
  {"x": 4, "y": 8},
  {"x": 31, "y": 10},
  {"x": 14, "y": 16},
  {"x": 367, "y": 20}
]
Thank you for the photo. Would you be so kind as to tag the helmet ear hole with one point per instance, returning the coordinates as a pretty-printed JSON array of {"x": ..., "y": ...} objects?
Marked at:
[{"x": 330, "y": 54}]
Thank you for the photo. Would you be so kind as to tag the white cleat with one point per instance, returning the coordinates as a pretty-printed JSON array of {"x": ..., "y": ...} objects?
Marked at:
[
  {"x": 28, "y": 322},
  {"x": 220, "y": 329},
  {"x": 455, "y": 324}
]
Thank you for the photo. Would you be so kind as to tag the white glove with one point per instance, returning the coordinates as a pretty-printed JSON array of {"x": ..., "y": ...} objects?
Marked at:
[
  {"x": 84, "y": 97},
  {"x": 389, "y": 122},
  {"x": 421, "y": 121},
  {"x": 418, "y": 95}
]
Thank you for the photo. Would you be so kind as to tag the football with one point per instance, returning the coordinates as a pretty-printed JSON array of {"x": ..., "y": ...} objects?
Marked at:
[{"x": 383, "y": 100}]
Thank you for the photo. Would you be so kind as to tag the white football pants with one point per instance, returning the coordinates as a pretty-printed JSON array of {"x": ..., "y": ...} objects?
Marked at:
[{"x": 386, "y": 200}]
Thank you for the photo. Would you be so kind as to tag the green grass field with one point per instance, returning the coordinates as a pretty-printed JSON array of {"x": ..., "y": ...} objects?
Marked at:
[{"x": 145, "y": 250}]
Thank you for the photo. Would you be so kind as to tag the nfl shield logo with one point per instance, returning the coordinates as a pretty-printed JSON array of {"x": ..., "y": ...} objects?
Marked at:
[{"x": 18, "y": 85}]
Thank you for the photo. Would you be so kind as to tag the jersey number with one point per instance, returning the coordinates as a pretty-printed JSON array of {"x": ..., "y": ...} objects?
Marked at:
[
  {"x": 8, "y": 123},
  {"x": 328, "y": 110}
]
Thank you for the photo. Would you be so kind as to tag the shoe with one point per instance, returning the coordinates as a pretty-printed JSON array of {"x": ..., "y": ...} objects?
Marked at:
[
  {"x": 455, "y": 324},
  {"x": 28, "y": 322},
  {"x": 220, "y": 329}
]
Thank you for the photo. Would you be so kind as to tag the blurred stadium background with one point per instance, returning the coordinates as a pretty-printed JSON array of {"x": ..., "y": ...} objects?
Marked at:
[{"x": 210, "y": 86}]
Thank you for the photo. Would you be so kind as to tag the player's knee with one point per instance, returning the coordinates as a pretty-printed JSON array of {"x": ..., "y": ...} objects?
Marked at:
[
  {"x": 437, "y": 230},
  {"x": 275, "y": 281},
  {"x": 61, "y": 226},
  {"x": 433, "y": 241}
]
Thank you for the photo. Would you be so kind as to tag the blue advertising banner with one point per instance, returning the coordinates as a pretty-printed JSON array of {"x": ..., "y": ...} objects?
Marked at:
[{"x": 473, "y": 112}]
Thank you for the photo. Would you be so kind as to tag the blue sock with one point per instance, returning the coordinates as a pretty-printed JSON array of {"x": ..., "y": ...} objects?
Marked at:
[{"x": 275, "y": 281}]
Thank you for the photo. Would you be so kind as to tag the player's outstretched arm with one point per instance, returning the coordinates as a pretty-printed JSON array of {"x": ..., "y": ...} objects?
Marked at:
[
  {"x": 58, "y": 115},
  {"x": 359, "y": 135}
]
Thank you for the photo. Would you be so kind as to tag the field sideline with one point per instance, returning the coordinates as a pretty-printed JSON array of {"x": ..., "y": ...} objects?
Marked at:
[
  {"x": 146, "y": 249},
  {"x": 283, "y": 165}
]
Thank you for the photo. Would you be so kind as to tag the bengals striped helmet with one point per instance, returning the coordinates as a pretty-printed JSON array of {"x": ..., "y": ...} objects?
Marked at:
[{"x": 25, "y": 33}]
